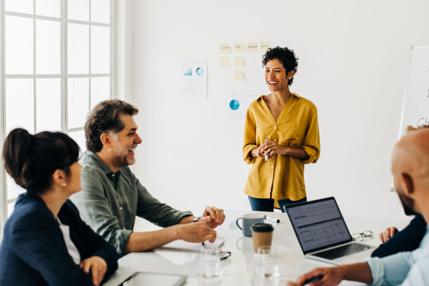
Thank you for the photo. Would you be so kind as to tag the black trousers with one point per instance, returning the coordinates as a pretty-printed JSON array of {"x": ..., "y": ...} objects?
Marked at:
[{"x": 267, "y": 205}]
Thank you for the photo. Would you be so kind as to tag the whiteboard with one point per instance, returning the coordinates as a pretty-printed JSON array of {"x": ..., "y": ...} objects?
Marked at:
[{"x": 415, "y": 108}]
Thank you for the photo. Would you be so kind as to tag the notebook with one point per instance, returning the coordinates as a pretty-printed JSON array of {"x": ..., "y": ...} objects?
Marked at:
[{"x": 323, "y": 234}]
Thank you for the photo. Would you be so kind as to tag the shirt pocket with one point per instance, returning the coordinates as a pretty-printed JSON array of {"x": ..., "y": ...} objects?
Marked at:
[{"x": 291, "y": 134}]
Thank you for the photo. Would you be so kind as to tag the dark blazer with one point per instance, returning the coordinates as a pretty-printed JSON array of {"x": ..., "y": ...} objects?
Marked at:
[
  {"x": 33, "y": 251},
  {"x": 407, "y": 239}
]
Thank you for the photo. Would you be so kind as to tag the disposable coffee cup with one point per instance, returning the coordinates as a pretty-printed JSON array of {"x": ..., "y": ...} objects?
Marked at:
[{"x": 262, "y": 235}]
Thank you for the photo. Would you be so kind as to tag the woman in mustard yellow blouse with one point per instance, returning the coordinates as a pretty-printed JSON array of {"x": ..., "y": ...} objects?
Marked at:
[{"x": 281, "y": 134}]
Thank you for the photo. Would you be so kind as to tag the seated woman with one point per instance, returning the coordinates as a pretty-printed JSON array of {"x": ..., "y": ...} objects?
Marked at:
[{"x": 45, "y": 242}]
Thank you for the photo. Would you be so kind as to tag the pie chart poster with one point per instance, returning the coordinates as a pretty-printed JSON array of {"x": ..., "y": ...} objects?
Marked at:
[{"x": 194, "y": 79}]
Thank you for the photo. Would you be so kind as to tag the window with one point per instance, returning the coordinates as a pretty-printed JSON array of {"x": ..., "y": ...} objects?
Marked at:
[{"x": 56, "y": 65}]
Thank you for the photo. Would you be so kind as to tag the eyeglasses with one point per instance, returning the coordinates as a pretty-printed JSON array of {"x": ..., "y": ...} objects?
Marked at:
[
  {"x": 361, "y": 236},
  {"x": 423, "y": 122},
  {"x": 216, "y": 247},
  {"x": 217, "y": 244}
]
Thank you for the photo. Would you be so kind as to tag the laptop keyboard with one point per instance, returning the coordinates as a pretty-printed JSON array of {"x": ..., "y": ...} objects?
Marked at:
[{"x": 342, "y": 251}]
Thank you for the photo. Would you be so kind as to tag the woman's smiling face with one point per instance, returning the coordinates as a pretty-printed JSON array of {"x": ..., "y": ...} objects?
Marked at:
[{"x": 276, "y": 76}]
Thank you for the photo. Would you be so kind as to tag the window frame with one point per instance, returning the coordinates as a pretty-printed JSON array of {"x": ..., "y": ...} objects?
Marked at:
[{"x": 63, "y": 75}]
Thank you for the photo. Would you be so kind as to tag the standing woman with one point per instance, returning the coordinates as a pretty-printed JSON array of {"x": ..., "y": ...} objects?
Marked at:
[
  {"x": 281, "y": 134},
  {"x": 45, "y": 242}
]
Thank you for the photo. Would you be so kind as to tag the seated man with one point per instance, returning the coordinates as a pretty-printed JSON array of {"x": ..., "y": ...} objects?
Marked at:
[
  {"x": 408, "y": 239},
  {"x": 410, "y": 169},
  {"x": 112, "y": 196}
]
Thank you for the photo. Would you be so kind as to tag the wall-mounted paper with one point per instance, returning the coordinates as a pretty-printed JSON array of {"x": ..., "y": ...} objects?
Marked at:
[
  {"x": 264, "y": 46},
  {"x": 194, "y": 78},
  {"x": 252, "y": 47},
  {"x": 234, "y": 104},
  {"x": 239, "y": 48},
  {"x": 224, "y": 48},
  {"x": 239, "y": 62},
  {"x": 239, "y": 75},
  {"x": 225, "y": 62}
]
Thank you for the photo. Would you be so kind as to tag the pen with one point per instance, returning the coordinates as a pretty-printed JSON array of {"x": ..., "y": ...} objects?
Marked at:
[
  {"x": 313, "y": 279},
  {"x": 271, "y": 219},
  {"x": 128, "y": 280}
]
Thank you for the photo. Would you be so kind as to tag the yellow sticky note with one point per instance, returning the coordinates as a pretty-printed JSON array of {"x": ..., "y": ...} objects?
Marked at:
[
  {"x": 239, "y": 62},
  {"x": 264, "y": 46},
  {"x": 239, "y": 75},
  {"x": 225, "y": 48},
  {"x": 252, "y": 47},
  {"x": 239, "y": 48},
  {"x": 225, "y": 62}
]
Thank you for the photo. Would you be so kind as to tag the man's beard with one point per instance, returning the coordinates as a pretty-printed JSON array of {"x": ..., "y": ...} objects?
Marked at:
[
  {"x": 120, "y": 161},
  {"x": 407, "y": 204}
]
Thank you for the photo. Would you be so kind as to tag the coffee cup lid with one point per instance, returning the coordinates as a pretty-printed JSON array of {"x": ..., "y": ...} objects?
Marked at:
[{"x": 262, "y": 227}]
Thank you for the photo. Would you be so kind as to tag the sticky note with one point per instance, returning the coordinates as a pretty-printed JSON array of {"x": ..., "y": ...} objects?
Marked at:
[
  {"x": 252, "y": 47},
  {"x": 239, "y": 48},
  {"x": 264, "y": 46},
  {"x": 224, "y": 48},
  {"x": 225, "y": 62},
  {"x": 239, "y": 62},
  {"x": 239, "y": 75}
]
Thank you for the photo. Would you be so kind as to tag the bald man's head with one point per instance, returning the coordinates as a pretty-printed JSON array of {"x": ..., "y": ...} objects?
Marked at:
[{"x": 410, "y": 168}]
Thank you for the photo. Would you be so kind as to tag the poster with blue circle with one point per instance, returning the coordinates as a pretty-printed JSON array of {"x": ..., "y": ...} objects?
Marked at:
[{"x": 234, "y": 104}]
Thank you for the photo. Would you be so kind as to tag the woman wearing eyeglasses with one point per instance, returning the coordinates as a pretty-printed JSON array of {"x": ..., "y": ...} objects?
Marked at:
[
  {"x": 281, "y": 134},
  {"x": 44, "y": 241}
]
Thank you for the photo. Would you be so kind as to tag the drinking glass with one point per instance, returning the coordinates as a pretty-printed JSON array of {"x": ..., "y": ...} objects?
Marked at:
[
  {"x": 266, "y": 270},
  {"x": 210, "y": 264}
]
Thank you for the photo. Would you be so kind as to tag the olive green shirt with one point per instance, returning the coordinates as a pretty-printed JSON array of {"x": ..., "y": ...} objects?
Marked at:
[{"x": 109, "y": 202}]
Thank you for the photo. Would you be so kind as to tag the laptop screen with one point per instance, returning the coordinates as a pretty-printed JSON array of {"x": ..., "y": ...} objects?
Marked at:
[{"x": 318, "y": 224}]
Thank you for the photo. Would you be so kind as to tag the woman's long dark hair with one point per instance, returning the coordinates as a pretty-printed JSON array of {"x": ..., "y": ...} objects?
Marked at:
[{"x": 32, "y": 159}]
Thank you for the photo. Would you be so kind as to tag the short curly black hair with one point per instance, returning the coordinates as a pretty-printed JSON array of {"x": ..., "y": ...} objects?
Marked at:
[{"x": 285, "y": 56}]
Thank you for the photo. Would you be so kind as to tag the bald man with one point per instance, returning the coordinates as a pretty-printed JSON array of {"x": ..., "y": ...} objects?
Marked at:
[
  {"x": 408, "y": 239},
  {"x": 410, "y": 169}
]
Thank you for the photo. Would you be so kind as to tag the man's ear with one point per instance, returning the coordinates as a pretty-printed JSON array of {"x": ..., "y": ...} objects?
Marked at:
[
  {"x": 59, "y": 178},
  {"x": 407, "y": 183},
  {"x": 105, "y": 139}
]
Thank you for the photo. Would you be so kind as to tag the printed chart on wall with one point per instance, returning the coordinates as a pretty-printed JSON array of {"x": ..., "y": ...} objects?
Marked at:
[
  {"x": 194, "y": 78},
  {"x": 241, "y": 72},
  {"x": 415, "y": 108}
]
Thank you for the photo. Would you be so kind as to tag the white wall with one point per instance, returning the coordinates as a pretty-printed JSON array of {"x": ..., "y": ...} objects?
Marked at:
[{"x": 354, "y": 60}]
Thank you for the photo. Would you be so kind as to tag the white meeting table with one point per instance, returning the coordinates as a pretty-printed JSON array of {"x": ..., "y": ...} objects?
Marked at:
[{"x": 183, "y": 258}]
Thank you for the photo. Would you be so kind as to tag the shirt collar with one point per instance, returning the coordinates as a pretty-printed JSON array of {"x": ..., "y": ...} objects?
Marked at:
[{"x": 92, "y": 158}]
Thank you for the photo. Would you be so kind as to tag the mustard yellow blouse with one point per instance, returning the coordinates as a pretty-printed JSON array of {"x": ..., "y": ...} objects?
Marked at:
[{"x": 281, "y": 177}]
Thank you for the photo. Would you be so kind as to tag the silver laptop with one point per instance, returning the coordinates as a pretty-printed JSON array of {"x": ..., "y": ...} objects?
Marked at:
[{"x": 323, "y": 234}]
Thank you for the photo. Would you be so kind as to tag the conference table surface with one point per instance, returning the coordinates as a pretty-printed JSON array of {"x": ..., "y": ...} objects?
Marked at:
[{"x": 181, "y": 257}]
